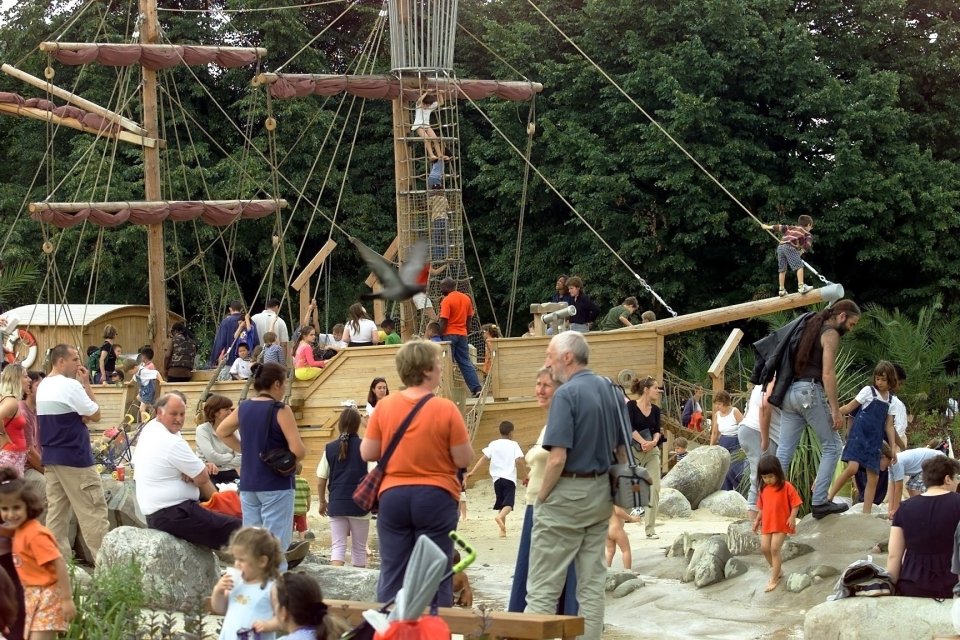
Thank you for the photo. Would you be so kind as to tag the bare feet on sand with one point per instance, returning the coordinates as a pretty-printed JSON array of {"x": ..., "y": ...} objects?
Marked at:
[
  {"x": 503, "y": 526},
  {"x": 773, "y": 584}
]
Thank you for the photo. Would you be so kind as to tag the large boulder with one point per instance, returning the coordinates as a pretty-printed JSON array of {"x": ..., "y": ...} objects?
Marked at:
[
  {"x": 741, "y": 538},
  {"x": 728, "y": 504},
  {"x": 344, "y": 583},
  {"x": 174, "y": 573},
  {"x": 872, "y": 618},
  {"x": 708, "y": 562},
  {"x": 699, "y": 474},
  {"x": 673, "y": 504}
]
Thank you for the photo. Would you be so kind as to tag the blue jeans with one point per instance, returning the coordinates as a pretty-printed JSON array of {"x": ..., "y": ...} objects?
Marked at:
[
  {"x": 806, "y": 404},
  {"x": 406, "y": 513},
  {"x": 750, "y": 443},
  {"x": 568, "y": 605},
  {"x": 272, "y": 510},
  {"x": 461, "y": 355}
]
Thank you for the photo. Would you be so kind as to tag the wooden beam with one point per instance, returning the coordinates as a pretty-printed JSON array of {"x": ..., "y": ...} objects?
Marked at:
[
  {"x": 71, "y": 123},
  {"x": 408, "y": 82},
  {"x": 717, "y": 368},
  {"x": 314, "y": 264},
  {"x": 113, "y": 207},
  {"x": 82, "y": 46},
  {"x": 74, "y": 99},
  {"x": 753, "y": 309}
]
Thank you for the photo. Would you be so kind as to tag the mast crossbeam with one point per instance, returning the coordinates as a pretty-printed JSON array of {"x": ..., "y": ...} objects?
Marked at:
[
  {"x": 111, "y": 214},
  {"x": 151, "y": 56}
]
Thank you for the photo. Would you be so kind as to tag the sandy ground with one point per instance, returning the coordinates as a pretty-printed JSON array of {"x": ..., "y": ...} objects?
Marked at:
[{"x": 664, "y": 608}]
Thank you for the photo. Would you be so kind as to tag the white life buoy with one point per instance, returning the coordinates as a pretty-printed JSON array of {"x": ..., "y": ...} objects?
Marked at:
[{"x": 16, "y": 343}]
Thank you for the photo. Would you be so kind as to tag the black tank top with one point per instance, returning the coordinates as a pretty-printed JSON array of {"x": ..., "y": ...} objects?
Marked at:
[{"x": 814, "y": 366}]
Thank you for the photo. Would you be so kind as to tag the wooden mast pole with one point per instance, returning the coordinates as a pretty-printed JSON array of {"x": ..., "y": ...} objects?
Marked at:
[{"x": 156, "y": 267}]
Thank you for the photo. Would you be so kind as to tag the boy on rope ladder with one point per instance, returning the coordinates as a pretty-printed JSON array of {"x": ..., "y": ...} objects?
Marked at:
[
  {"x": 794, "y": 241},
  {"x": 426, "y": 105}
]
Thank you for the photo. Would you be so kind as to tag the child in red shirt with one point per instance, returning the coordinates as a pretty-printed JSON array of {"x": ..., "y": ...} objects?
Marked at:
[
  {"x": 777, "y": 505},
  {"x": 41, "y": 568}
]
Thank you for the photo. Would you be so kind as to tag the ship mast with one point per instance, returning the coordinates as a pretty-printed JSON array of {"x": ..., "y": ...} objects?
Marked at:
[{"x": 156, "y": 268}]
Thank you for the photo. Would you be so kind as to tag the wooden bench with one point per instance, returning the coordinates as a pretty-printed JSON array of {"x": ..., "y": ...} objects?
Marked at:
[{"x": 472, "y": 623}]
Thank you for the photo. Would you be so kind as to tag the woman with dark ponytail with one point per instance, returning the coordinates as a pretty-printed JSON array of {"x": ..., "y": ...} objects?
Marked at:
[
  {"x": 300, "y": 609},
  {"x": 340, "y": 470}
]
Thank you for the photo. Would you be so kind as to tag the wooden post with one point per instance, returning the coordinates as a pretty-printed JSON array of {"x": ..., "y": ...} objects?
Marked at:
[
  {"x": 720, "y": 362},
  {"x": 156, "y": 267},
  {"x": 302, "y": 281}
]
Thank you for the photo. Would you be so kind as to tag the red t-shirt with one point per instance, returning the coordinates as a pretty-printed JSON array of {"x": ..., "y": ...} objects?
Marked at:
[
  {"x": 775, "y": 506},
  {"x": 455, "y": 308},
  {"x": 34, "y": 552},
  {"x": 423, "y": 455}
]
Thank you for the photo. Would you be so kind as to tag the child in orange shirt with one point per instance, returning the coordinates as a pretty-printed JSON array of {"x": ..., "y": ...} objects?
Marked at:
[
  {"x": 41, "y": 568},
  {"x": 777, "y": 506}
]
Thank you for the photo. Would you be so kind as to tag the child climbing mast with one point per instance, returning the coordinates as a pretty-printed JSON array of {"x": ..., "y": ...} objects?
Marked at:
[
  {"x": 794, "y": 241},
  {"x": 426, "y": 105}
]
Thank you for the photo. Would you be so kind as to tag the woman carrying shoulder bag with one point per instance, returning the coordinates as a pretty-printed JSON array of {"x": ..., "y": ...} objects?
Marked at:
[
  {"x": 265, "y": 424},
  {"x": 420, "y": 492}
]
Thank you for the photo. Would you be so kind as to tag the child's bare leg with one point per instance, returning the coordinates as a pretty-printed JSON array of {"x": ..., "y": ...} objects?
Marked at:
[
  {"x": 842, "y": 479},
  {"x": 765, "y": 543},
  {"x": 463, "y": 510},
  {"x": 610, "y": 548},
  {"x": 424, "y": 132},
  {"x": 776, "y": 562},
  {"x": 781, "y": 278},
  {"x": 870, "y": 491},
  {"x": 501, "y": 520},
  {"x": 626, "y": 555},
  {"x": 800, "y": 277}
]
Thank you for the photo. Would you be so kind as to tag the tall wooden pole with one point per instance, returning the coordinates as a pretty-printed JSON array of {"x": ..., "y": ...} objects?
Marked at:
[{"x": 156, "y": 267}]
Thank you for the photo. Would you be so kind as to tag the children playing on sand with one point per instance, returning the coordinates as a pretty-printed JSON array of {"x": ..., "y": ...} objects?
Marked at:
[
  {"x": 505, "y": 456},
  {"x": 794, "y": 241},
  {"x": 617, "y": 537},
  {"x": 777, "y": 506}
]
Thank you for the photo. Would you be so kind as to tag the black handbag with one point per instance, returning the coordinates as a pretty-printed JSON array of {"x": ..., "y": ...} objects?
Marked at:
[{"x": 280, "y": 460}]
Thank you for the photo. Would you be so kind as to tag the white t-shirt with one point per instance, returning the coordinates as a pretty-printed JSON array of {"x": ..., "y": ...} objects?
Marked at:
[
  {"x": 246, "y": 604},
  {"x": 159, "y": 460},
  {"x": 264, "y": 319},
  {"x": 910, "y": 462},
  {"x": 865, "y": 397},
  {"x": 367, "y": 333},
  {"x": 241, "y": 369},
  {"x": 899, "y": 411},
  {"x": 503, "y": 454}
]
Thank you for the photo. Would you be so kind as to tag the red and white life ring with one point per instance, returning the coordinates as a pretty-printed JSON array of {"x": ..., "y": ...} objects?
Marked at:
[{"x": 21, "y": 348}]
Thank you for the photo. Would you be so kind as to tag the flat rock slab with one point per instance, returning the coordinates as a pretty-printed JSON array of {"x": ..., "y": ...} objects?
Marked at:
[{"x": 884, "y": 617}]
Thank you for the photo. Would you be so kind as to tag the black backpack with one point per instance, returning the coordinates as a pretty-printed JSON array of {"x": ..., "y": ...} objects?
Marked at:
[{"x": 183, "y": 353}]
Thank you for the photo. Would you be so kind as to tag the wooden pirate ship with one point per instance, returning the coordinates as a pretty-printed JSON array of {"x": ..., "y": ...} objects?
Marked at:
[{"x": 429, "y": 206}]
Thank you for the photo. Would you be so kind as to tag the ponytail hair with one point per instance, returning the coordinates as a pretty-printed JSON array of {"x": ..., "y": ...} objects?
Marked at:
[
  {"x": 814, "y": 326},
  {"x": 300, "y": 595},
  {"x": 349, "y": 424}
]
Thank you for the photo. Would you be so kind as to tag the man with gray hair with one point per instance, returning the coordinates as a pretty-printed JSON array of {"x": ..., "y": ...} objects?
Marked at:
[
  {"x": 573, "y": 507},
  {"x": 171, "y": 480}
]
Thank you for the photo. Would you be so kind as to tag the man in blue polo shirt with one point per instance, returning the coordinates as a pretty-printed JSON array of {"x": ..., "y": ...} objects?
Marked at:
[
  {"x": 574, "y": 505},
  {"x": 65, "y": 403}
]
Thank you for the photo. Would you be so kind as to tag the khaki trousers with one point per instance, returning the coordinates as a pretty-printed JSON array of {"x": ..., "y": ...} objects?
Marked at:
[
  {"x": 650, "y": 460},
  {"x": 78, "y": 488},
  {"x": 571, "y": 526}
]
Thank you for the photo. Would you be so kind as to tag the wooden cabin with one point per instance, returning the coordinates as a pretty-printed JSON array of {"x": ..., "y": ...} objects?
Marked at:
[{"x": 82, "y": 325}]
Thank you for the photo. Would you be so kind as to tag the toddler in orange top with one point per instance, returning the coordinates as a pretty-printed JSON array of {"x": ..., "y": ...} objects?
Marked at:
[
  {"x": 40, "y": 567},
  {"x": 777, "y": 505}
]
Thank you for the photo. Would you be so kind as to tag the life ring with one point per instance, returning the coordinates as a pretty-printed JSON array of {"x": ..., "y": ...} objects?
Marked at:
[{"x": 14, "y": 346}]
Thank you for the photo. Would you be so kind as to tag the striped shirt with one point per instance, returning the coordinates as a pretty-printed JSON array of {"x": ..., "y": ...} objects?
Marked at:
[
  {"x": 301, "y": 497},
  {"x": 61, "y": 403},
  {"x": 796, "y": 236}
]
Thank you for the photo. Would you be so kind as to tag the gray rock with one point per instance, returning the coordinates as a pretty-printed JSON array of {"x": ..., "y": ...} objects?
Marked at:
[
  {"x": 734, "y": 568},
  {"x": 793, "y": 550},
  {"x": 821, "y": 571},
  {"x": 699, "y": 474},
  {"x": 628, "y": 587},
  {"x": 344, "y": 583},
  {"x": 872, "y": 618},
  {"x": 741, "y": 539},
  {"x": 673, "y": 504},
  {"x": 175, "y": 573},
  {"x": 728, "y": 504},
  {"x": 797, "y": 582},
  {"x": 80, "y": 579},
  {"x": 684, "y": 544},
  {"x": 617, "y": 578},
  {"x": 122, "y": 507},
  {"x": 708, "y": 562}
]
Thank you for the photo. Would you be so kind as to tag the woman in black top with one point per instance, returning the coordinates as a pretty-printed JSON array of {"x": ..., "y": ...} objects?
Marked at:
[
  {"x": 108, "y": 357},
  {"x": 647, "y": 440}
]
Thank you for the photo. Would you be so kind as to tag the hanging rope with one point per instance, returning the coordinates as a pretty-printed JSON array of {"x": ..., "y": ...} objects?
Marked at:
[
  {"x": 662, "y": 130},
  {"x": 531, "y": 129}
]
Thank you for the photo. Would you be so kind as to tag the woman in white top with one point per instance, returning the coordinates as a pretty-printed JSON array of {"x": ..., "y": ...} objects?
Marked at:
[
  {"x": 752, "y": 439},
  {"x": 426, "y": 105},
  {"x": 210, "y": 448},
  {"x": 360, "y": 330},
  {"x": 725, "y": 425}
]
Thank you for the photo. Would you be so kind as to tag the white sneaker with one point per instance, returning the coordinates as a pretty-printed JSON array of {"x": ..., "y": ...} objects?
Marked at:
[
  {"x": 637, "y": 512},
  {"x": 804, "y": 288}
]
